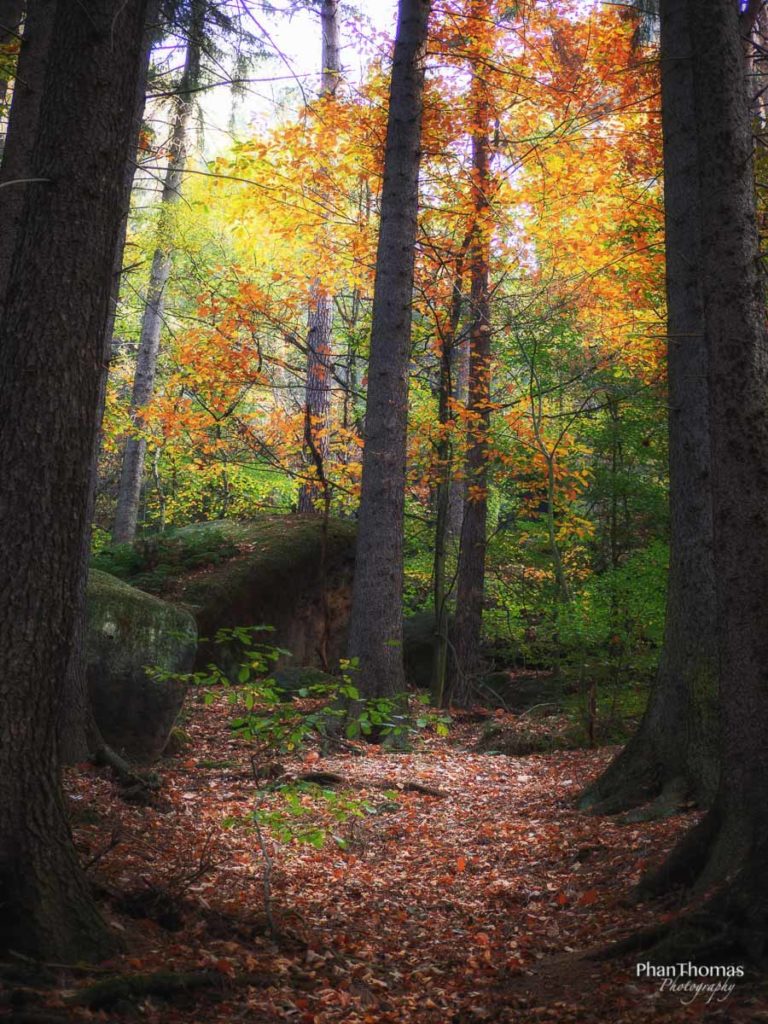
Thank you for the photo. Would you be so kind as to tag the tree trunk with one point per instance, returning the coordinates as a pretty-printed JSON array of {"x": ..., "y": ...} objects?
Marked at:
[
  {"x": 79, "y": 736},
  {"x": 11, "y": 13},
  {"x": 376, "y": 626},
  {"x": 132, "y": 472},
  {"x": 22, "y": 128},
  {"x": 445, "y": 460},
  {"x": 730, "y": 845},
  {"x": 317, "y": 401},
  {"x": 458, "y": 491},
  {"x": 51, "y": 338},
  {"x": 471, "y": 575},
  {"x": 674, "y": 753}
]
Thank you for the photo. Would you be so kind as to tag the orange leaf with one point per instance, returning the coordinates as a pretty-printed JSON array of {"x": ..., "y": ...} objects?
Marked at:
[
  {"x": 587, "y": 898},
  {"x": 461, "y": 864}
]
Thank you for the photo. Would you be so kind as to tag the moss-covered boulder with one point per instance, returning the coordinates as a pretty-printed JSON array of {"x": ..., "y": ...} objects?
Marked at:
[
  {"x": 274, "y": 574},
  {"x": 127, "y": 631}
]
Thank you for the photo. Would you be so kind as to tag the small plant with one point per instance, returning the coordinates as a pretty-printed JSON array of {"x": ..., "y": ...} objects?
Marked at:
[
  {"x": 271, "y": 718},
  {"x": 294, "y": 819}
]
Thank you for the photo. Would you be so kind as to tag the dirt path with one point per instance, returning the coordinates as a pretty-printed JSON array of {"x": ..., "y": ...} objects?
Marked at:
[{"x": 469, "y": 907}]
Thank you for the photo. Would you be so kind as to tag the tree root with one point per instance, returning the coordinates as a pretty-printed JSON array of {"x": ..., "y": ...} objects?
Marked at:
[
  {"x": 630, "y": 781},
  {"x": 683, "y": 866},
  {"x": 136, "y": 787},
  {"x": 671, "y": 800}
]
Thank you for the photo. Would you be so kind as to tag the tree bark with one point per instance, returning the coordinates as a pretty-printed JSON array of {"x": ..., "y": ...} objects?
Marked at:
[
  {"x": 51, "y": 337},
  {"x": 730, "y": 845},
  {"x": 471, "y": 574},
  {"x": 317, "y": 400},
  {"x": 674, "y": 753},
  {"x": 132, "y": 472},
  {"x": 22, "y": 128},
  {"x": 79, "y": 735},
  {"x": 376, "y": 626}
]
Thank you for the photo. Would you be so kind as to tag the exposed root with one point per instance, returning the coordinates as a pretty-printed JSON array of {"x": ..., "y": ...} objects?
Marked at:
[
  {"x": 670, "y": 801},
  {"x": 683, "y": 866},
  {"x": 136, "y": 787},
  {"x": 631, "y": 780},
  {"x": 637, "y": 942}
]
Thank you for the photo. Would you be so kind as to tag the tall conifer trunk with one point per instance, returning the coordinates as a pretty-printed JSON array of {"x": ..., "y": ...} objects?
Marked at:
[
  {"x": 376, "y": 626},
  {"x": 51, "y": 337},
  {"x": 674, "y": 754},
  {"x": 79, "y": 735},
  {"x": 730, "y": 845},
  {"x": 132, "y": 472}
]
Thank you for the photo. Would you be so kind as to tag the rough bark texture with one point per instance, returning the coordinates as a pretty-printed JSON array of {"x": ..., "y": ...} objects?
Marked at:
[
  {"x": 731, "y": 843},
  {"x": 132, "y": 472},
  {"x": 79, "y": 735},
  {"x": 376, "y": 628},
  {"x": 471, "y": 574},
  {"x": 317, "y": 400},
  {"x": 22, "y": 128},
  {"x": 674, "y": 753},
  {"x": 51, "y": 338}
]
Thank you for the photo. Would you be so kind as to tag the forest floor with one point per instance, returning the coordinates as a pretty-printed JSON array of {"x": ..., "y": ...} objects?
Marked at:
[{"x": 473, "y": 905}]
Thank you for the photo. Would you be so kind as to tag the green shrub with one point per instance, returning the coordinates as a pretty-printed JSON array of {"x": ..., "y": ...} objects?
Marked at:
[{"x": 152, "y": 561}]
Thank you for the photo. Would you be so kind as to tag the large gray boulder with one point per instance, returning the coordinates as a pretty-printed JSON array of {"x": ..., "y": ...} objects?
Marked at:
[{"x": 127, "y": 631}]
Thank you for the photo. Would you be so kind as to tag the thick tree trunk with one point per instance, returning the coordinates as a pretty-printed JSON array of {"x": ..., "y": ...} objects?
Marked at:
[
  {"x": 317, "y": 400},
  {"x": 51, "y": 337},
  {"x": 731, "y": 843},
  {"x": 132, "y": 472},
  {"x": 674, "y": 753},
  {"x": 376, "y": 627},
  {"x": 470, "y": 585},
  {"x": 79, "y": 736},
  {"x": 22, "y": 128}
]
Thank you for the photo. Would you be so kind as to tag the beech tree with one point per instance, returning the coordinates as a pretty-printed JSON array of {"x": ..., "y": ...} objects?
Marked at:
[
  {"x": 376, "y": 624},
  {"x": 51, "y": 338}
]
